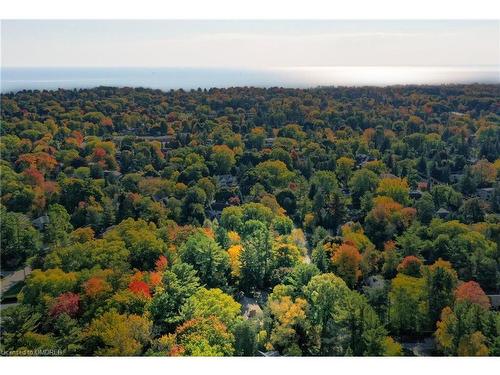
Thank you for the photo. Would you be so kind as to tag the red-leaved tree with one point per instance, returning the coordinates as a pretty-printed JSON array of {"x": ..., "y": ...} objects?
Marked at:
[
  {"x": 410, "y": 266},
  {"x": 472, "y": 292},
  {"x": 140, "y": 288},
  {"x": 68, "y": 303}
]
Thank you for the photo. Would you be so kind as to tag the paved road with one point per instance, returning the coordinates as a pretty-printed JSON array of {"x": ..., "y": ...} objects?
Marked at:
[{"x": 13, "y": 278}]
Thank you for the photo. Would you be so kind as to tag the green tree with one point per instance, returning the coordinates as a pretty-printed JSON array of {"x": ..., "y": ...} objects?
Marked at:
[
  {"x": 410, "y": 243},
  {"x": 245, "y": 333},
  {"x": 212, "y": 302},
  {"x": 89, "y": 254},
  {"x": 17, "y": 321},
  {"x": 425, "y": 208},
  {"x": 468, "y": 182},
  {"x": 74, "y": 191},
  {"x": 468, "y": 329},
  {"x": 178, "y": 284},
  {"x": 392, "y": 348},
  {"x": 256, "y": 256},
  {"x": 446, "y": 196},
  {"x": 42, "y": 285},
  {"x": 344, "y": 168},
  {"x": 285, "y": 255},
  {"x": 207, "y": 258},
  {"x": 328, "y": 203},
  {"x": 300, "y": 276},
  {"x": 328, "y": 298},
  {"x": 290, "y": 331},
  {"x": 224, "y": 159},
  {"x": 19, "y": 240},
  {"x": 367, "y": 334},
  {"x": 283, "y": 225},
  {"x": 257, "y": 211},
  {"x": 395, "y": 188},
  {"x": 232, "y": 218},
  {"x": 321, "y": 256},
  {"x": 440, "y": 281},
  {"x": 473, "y": 210},
  {"x": 407, "y": 305},
  {"x": 362, "y": 181},
  {"x": 274, "y": 174},
  {"x": 470, "y": 253},
  {"x": 141, "y": 240},
  {"x": 202, "y": 337},
  {"x": 59, "y": 227},
  {"x": 112, "y": 334}
]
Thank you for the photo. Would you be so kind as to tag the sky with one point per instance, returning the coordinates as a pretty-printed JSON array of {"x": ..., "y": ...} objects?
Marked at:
[{"x": 248, "y": 44}]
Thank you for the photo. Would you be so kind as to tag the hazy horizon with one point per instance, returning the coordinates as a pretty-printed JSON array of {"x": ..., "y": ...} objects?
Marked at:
[
  {"x": 17, "y": 79},
  {"x": 168, "y": 54}
]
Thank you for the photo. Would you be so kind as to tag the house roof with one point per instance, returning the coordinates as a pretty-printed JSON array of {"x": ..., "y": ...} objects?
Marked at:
[
  {"x": 42, "y": 220},
  {"x": 416, "y": 193},
  {"x": 269, "y": 354},
  {"x": 423, "y": 185},
  {"x": 227, "y": 180},
  {"x": 388, "y": 175},
  {"x": 495, "y": 300},
  {"x": 376, "y": 281}
]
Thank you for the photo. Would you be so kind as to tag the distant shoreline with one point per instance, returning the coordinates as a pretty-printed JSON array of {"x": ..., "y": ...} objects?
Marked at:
[
  {"x": 14, "y": 92},
  {"x": 19, "y": 79}
]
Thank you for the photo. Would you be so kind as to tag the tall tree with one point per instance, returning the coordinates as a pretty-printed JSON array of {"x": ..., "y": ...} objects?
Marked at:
[
  {"x": 59, "y": 226},
  {"x": 19, "y": 240},
  {"x": 208, "y": 259},
  {"x": 441, "y": 280},
  {"x": 256, "y": 256}
]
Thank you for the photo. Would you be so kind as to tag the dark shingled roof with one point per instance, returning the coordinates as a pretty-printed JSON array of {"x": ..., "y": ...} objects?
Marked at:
[
  {"x": 495, "y": 300},
  {"x": 41, "y": 221}
]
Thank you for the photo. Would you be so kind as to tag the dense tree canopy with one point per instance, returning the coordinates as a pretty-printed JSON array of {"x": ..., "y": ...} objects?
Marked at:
[{"x": 240, "y": 221}]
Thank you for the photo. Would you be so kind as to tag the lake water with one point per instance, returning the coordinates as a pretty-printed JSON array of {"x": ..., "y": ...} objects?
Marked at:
[{"x": 15, "y": 79}]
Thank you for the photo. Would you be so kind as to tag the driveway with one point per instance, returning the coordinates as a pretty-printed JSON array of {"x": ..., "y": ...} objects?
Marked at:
[{"x": 13, "y": 278}]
